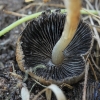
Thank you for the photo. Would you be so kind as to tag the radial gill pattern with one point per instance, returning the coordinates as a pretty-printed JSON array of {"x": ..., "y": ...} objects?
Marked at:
[{"x": 37, "y": 42}]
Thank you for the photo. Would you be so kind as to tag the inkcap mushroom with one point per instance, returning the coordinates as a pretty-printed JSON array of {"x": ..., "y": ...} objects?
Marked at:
[{"x": 52, "y": 46}]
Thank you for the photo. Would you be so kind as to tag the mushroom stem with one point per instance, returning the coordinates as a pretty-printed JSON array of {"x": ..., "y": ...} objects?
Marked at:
[{"x": 71, "y": 24}]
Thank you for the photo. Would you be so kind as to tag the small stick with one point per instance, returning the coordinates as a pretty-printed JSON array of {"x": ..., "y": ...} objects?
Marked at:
[
  {"x": 16, "y": 75},
  {"x": 67, "y": 85},
  {"x": 95, "y": 31},
  {"x": 37, "y": 4},
  {"x": 97, "y": 27},
  {"x": 39, "y": 7},
  {"x": 88, "y": 2},
  {"x": 95, "y": 63},
  {"x": 35, "y": 98},
  {"x": 96, "y": 6},
  {"x": 14, "y": 71},
  {"x": 93, "y": 70},
  {"x": 91, "y": 13},
  {"x": 14, "y": 13},
  {"x": 32, "y": 87},
  {"x": 39, "y": 83},
  {"x": 85, "y": 81},
  {"x": 97, "y": 20},
  {"x": 32, "y": 16},
  {"x": 26, "y": 75}
]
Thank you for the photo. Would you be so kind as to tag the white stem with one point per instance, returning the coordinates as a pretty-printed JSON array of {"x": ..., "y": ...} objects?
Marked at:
[{"x": 71, "y": 24}]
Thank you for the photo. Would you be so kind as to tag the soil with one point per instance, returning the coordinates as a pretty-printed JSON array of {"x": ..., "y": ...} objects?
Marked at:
[{"x": 8, "y": 64}]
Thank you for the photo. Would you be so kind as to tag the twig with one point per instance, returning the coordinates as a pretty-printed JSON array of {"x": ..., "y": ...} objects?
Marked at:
[
  {"x": 29, "y": 17},
  {"x": 97, "y": 49},
  {"x": 96, "y": 36},
  {"x": 26, "y": 75},
  {"x": 14, "y": 13},
  {"x": 98, "y": 20},
  {"x": 20, "y": 21},
  {"x": 85, "y": 81},
  {"x": 32, "y": 87},
  {"x": 44, "y": 4},
  {"x": 14, "y": 71},
  {"x": 85, "y": 18},
  {"x": 39, "y": 83},
  {"x": 95, "y": 63},
  {"x": 91, "y": 13},
  {"x": 96, "y": 6},
  {"x": 16, "y": 75},
  {"x": 87, "y": 1},
  {"x": 39, "y": 7},
  {"x": 67, "y": 85},
  {"x": 93, "y": 70},
  {"x": 95, "y": 31},
  {"x": 59, "y": 6},
  {"x": 90, "y": 5},
  {"x": 94, "y": 12},
  {"x": 97, "y": 27},
  {"x": 35, "y": 98}
]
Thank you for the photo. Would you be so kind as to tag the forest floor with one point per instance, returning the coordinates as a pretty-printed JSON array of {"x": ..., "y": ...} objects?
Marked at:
[{"x": 8, "y": 64}]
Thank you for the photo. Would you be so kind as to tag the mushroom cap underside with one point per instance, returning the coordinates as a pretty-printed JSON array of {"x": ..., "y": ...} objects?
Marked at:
[{"x": 36, "y": 43}]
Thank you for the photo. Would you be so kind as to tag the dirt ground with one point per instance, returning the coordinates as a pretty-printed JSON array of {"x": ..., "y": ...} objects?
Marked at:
[{"x": 8, "y": 64}]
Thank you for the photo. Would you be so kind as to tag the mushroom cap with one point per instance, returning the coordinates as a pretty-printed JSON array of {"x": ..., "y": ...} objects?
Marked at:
[{"x": 35, "y": 45}]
